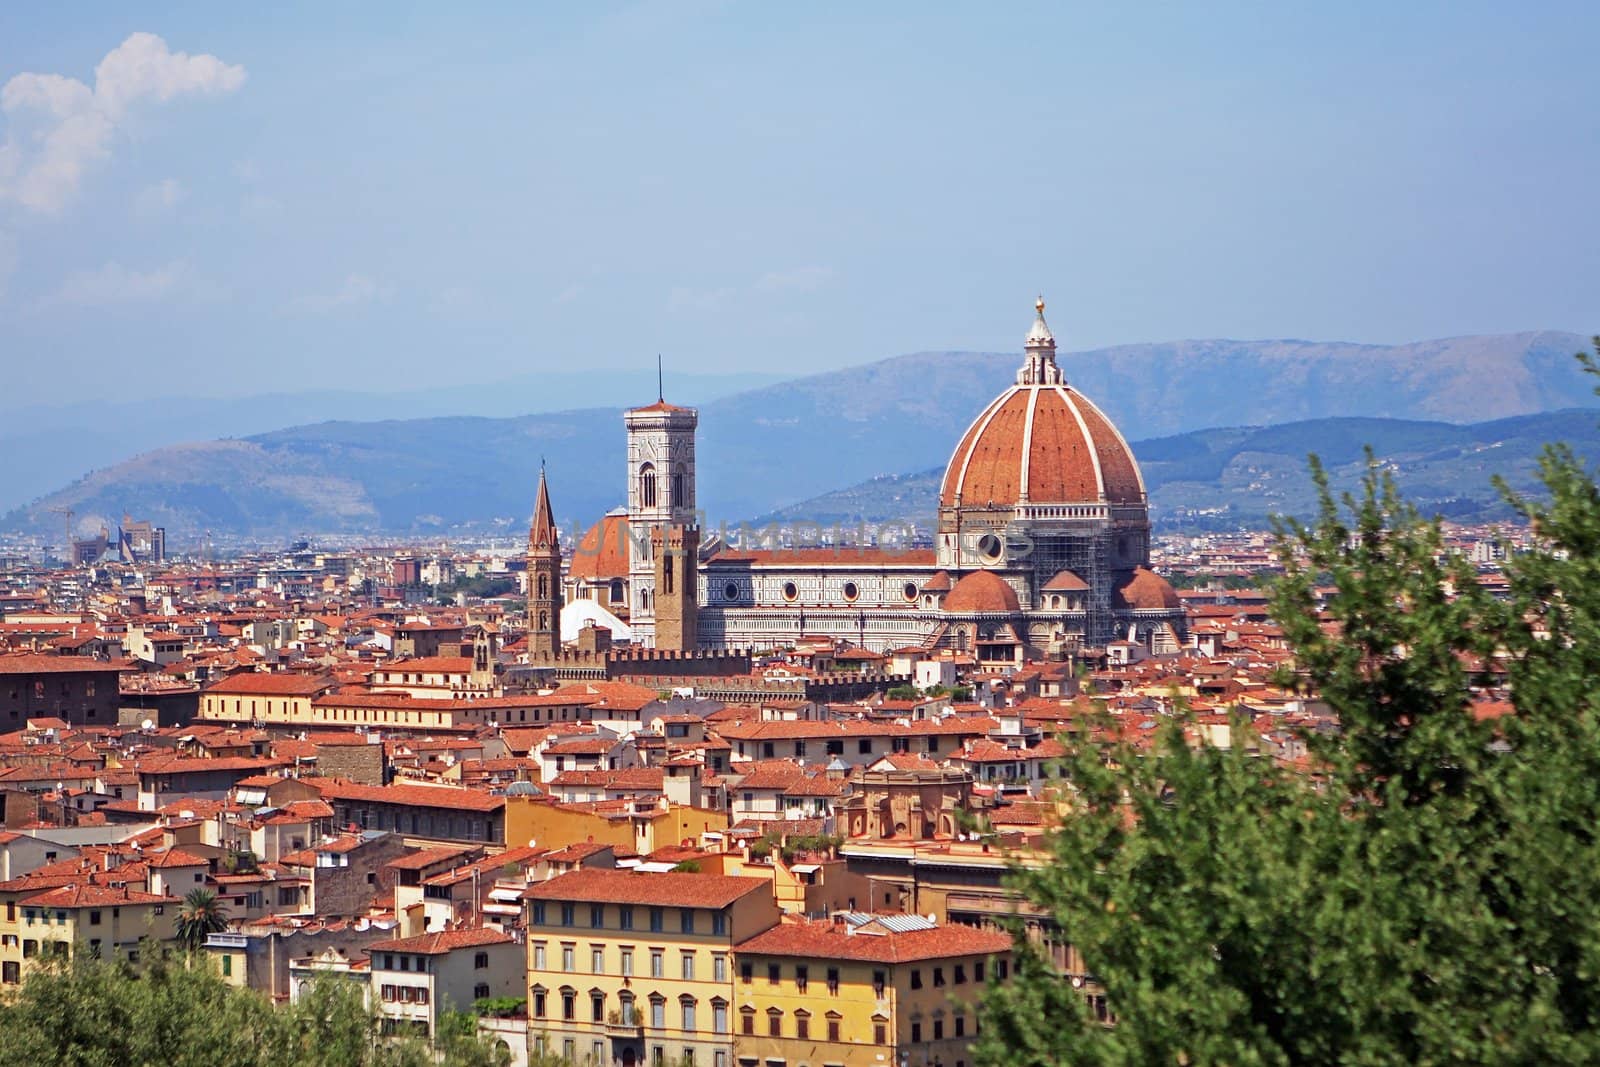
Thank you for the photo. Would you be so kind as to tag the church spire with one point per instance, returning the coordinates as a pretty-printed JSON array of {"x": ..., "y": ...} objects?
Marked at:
[
  {"x": 1039, "y": 365},
  {"x": 543, "y": 533}
]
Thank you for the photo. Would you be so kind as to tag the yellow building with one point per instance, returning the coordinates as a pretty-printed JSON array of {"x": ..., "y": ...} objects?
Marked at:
[
  {"x": 628, "y": 968},
  {"x": 864, "y": 991},
  {"x": 108, "y": 922},
  {"x": 642, "y": 827}
]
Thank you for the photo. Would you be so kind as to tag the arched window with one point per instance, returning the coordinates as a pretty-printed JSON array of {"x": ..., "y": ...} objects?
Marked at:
[
  {"x": 666, "y": 577},
  {"x": 680, "y": 488},
  {"x": 647, "y": 486},
  {"x": 544, "y": 620},
  {"x": 616, "y": 590},
  {"x": 544, "y": 586}
]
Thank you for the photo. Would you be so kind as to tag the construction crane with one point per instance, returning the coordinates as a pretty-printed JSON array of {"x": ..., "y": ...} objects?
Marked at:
[{"x": 66, "y": 548}]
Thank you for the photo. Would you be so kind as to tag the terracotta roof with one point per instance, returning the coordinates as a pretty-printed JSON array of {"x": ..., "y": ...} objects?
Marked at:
[
  {"x": 258, "y": 683},
  {"x": 602, "y": 552},
  {"x": 416, "y": 796},
  {"x": 1146, "y": 590},
  {"x": 980, "y": 593},
  {"x": 1043, "y": 444},
  {"x": 429, "y": 665},
  {"x": 828, "y": 940},
  {"x": 31, "y": 663},
  {"x": 444, "y": 941},
  {"x": 1066, "y": 582},
  {"x": 92, "y": 896},
  {"x": 671, "y": 889}
]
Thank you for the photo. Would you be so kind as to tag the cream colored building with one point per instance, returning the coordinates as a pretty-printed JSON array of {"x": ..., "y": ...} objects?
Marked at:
[{"x": 627, "y": 968}]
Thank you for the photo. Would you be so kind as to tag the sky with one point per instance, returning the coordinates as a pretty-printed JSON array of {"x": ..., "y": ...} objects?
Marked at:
[{"x": 210, "y": 200}]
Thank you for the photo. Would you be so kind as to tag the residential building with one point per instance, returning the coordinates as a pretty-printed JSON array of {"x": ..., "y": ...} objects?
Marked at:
[{"x": 414, "y": 979}]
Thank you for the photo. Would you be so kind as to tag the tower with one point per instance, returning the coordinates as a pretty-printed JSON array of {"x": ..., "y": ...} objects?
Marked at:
[
  {"x": 663, "y": 527},
  {"x": 544, "y": 577}
]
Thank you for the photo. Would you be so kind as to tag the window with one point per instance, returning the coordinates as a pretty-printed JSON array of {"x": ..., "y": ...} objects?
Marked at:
[
  {"x": 938, "y": 1029},
  {"x": 851, "y": 591},
  {"x": 388, "y": 994},
  {"x": 938, "y": 976},
  {"x": 686, "y": 919},
  {"x": 657, "y": 967},
  {"x": 480, "y": 962},
  {"x": 480, "y": 991},
  {"x": 597, "y": 960},
  {"x": 625, "y": 1001},
  {"x": 961, "y": 1025},
  {"x": 94, "y": 918},
  {"x": 569, "y": 1050},
  {"x": 538, "y": 913},
  {"x": 719, "y": 968},
  {"x": 747, "y": 971},
  {"x": 569, "y": 1005},
  {"x": 801, "y": 974},
  {"x": 227, "y": 966},
  {"x": 916, "y": 978},
  {"x": 802, "y": 1026},
  {"x": 688, "y": 966},
  {"x": 647, "y": 486},
  {"x": 688, "y": 1014},
  {"x": 864, "y": 746},
  {"x": 719, "y": 1016},
  {"x": 597, "y": 1007},
  {"x": 538, "y": 956},
  {"x": 833, "y": 1028},
  {"x": 799, "y": 749},
  {"x": 597, "y": 916},
  {"x": 774, "y": 973},
  {"x": 960, "y": 976},
  {"x": 568, "y": 914},
  {"x": 774, "y": 1022},
  {"x": 567, "y": 956},
  {"x": 933, "y": 745},
  {"x": 656, "y": 920},
  {"x": 627, "y": 963},
  {"x": 977, "y": 970},
  {"x": 625, "y": 918},
  {"x": 833, "y": 980},
  {"x": 719, "y": 923},
  {"x": 916, "y": 1032},
  {"x": 767, "y": 750},
  {"x": 658, "y": 1012},
  {"x": 658, "y": 1056},
  {"x": 878, "y": 981},
  {"x": 538, "y": 1003},
  {"x": 747, "y": 1021},
  {"x": 1000, "y": 968}
]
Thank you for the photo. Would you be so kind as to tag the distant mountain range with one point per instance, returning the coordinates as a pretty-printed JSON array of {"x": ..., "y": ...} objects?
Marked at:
[
  {"x": 769, "y": 449},
  {"x": 1226, "y": 478}
]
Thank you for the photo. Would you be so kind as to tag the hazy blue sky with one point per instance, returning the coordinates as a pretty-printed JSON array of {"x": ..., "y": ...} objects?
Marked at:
[{"x": 356, "y": 195}]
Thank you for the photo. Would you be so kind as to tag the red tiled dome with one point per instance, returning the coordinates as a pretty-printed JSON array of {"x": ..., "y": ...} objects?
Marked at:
[
  {"x": 1041, "y": 444},
  {"x": 982, "y": 593},
  {"x": 1148, "y": 591},
  {"x": 602, "y": 554}
]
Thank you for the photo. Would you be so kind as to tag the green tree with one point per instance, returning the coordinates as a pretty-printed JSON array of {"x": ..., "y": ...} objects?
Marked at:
[
  {"x": 1430, "y": 895},
  {"x": 201, "y": 915}
]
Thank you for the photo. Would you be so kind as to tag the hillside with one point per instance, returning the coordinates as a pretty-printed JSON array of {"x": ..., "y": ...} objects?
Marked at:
[
  {"x": 1223, "y": 478},
  {"x": 772, "y": 447}
]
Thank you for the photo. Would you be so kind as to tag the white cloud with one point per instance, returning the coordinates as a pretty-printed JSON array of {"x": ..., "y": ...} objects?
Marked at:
[
  {"x": 116, "y": 284},
  {"x": 160, "y": 198},
  {"x": 798, "y": 280},
  {"x": 355, "y": 289},
  {"x": 57, "y": 127}
]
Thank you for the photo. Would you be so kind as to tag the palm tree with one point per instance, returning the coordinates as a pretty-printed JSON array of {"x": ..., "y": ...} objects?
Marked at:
[{"x": 201, "y": 916}]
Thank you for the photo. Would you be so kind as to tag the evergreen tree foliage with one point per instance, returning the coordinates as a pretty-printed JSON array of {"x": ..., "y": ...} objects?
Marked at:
[{"x": 1426, "y": 891}]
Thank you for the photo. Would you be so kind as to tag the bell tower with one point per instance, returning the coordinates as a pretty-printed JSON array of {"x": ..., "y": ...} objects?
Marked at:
[
  {"x": 544, "y": 577},
  {"x": 663, "y": 526}
]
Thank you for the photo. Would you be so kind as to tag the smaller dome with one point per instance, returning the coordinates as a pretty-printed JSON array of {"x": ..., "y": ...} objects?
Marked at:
[
  {"x": 1066, "y": 582},
  {"x": 982, "y": 593},
  {"x": 602, "y": 554},
  {"x": 1145, "y": 590}
]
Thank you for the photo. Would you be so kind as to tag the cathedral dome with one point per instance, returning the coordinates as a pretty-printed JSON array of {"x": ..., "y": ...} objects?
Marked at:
[
  {"x": 1148, "y": 591},
  {"x": 602, "y": 554},
  {"x": 982, "y": 593},
  {"x": 1041, "y": 442}
]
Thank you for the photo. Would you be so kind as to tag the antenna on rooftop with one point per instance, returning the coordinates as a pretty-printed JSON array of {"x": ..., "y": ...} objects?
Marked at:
[{"x": 661, "y": 392}]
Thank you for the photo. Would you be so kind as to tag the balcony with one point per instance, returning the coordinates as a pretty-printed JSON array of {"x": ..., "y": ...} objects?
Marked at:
[{"x": 626, "y": 1025}]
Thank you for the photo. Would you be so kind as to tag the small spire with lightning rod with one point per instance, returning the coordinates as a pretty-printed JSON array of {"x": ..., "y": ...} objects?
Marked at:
[{"x": 661, "y": 391}]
